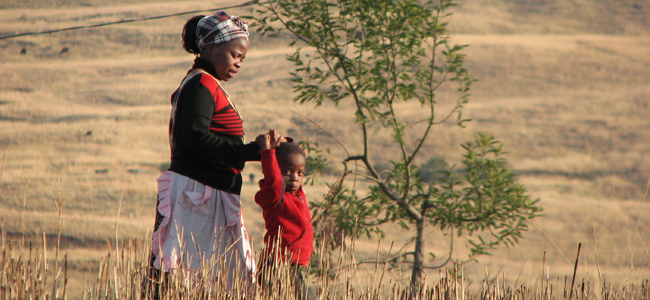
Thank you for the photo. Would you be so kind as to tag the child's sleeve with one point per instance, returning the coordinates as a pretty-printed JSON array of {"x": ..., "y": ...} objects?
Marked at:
[{"x": 271, "y": 188}]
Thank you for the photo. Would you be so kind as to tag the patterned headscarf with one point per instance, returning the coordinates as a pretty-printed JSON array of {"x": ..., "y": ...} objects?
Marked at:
[{"x": 219, "y": 28}]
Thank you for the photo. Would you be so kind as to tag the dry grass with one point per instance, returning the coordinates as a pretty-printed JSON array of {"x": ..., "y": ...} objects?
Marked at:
[
  {"x": 29, "y": 273},
  {"x": 568, "y": 99}
]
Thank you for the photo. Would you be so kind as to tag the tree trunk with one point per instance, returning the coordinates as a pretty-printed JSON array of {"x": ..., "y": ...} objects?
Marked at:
[{"x": 416, "y": 275}]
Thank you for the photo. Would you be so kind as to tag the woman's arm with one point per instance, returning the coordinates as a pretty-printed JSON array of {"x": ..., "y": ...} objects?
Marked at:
[{"x": 195, "y": 117}]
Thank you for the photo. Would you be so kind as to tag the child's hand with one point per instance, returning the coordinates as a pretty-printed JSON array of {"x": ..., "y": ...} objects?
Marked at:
[
  {"x": 263, "y": 140},
  {"x": 275, "y": 139}
]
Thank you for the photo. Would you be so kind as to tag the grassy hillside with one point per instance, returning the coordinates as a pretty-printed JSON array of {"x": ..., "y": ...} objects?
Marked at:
[
  {"x": 610, "y": 17},
  {"x": 563, "y": 84}
]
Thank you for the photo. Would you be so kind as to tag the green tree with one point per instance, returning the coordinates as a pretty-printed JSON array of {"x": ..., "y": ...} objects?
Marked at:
[{"x": 378, "y": 54}]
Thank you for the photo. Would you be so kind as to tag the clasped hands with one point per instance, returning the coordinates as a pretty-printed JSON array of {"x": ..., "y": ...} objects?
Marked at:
[{"x": 270, "y": 140}]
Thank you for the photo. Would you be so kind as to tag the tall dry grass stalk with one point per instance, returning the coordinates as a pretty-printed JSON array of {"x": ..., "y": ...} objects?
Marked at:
[{"x": 26, "y": 273}]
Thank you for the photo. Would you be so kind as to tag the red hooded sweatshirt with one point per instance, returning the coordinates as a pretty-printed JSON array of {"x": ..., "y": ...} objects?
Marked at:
[{"x": 285, "y": 213}]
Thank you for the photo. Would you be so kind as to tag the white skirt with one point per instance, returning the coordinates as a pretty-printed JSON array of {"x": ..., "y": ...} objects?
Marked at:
[{"x": 202, "y": 229}]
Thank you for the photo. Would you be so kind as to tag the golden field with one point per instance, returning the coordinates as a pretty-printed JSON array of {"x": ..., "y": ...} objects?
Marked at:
[{"x": 565, "y": 87}]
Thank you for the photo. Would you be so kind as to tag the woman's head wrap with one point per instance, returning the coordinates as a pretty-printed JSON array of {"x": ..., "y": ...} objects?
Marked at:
[{"x": 220, "y": 28}]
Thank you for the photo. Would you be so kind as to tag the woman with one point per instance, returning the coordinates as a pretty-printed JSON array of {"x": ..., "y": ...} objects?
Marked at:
[{"x": 199, "y": 224}]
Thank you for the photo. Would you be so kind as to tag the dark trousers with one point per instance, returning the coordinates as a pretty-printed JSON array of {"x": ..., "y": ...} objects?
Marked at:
[
  {"x": 268, "y": 283},
  {"x": 154, "y": 282}
]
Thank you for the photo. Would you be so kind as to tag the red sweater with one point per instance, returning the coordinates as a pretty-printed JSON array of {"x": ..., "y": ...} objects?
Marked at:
[{"x": 284, "y": 211}]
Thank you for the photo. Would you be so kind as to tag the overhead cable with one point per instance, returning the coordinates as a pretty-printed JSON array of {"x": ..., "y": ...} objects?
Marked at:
[{"x": 130, "y": 20}]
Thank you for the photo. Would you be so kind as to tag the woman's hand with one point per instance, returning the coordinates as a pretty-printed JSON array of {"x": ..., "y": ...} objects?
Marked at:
[
  {"x": 263, "y": 140},
  {"x": 269, "y": 140}
]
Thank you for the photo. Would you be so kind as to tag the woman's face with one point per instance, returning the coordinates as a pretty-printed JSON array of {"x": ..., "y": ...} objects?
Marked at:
[{"x": 226, "y": 58}]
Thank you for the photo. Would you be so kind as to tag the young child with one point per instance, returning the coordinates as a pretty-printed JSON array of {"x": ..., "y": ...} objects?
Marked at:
[{"x": 284, "y": 206}]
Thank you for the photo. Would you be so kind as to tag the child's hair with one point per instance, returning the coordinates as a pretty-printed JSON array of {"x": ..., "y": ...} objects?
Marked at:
[{"x": 286, "y": 148}]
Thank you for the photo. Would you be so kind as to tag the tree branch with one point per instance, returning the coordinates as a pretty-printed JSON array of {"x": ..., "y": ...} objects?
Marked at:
[
  {"x": 309, "y": 120},
  {"x": 414, "y": 214},
  {"x": 479, "y": 218},
  {"x": 277, "y": 15},
  {"x": 449, "y": 256}
]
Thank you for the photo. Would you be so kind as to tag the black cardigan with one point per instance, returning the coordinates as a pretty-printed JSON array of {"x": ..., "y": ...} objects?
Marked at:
[{"x": 197, "y": 152}]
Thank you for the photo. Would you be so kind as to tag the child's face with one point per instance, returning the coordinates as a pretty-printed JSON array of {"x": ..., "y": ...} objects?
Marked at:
[{"x": 292, "y": 167}]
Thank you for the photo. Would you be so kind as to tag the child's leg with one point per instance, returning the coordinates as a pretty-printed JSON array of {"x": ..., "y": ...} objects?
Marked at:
[
  {"x": 264, "y": 276},
  {"x": 299, "y": 282}
]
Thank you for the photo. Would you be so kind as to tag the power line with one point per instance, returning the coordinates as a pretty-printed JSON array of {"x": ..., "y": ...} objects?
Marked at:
[{"x": 131, "y": 20}]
